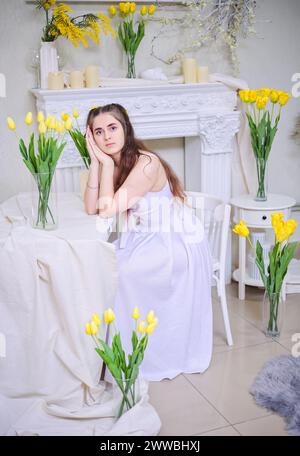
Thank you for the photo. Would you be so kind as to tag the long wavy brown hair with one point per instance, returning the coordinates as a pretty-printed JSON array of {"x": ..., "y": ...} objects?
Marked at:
[{"x": 132, "y": 148}]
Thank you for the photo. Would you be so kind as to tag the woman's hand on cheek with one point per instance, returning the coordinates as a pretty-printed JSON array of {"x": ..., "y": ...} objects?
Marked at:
[{"x": 95, "y": 151}]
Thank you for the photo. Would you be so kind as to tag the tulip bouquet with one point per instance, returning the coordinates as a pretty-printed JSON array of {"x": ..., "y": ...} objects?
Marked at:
[
  {"x": 41, "y": 158},
  {"x": 280, "y": 257},
  {"x": 79, "y": 140},
  {"x": 76, "y": 29},
  {"x": 263, "y": 124},
  {"x": 124, "y": 372},
  {"x": 130, "y": 37}
]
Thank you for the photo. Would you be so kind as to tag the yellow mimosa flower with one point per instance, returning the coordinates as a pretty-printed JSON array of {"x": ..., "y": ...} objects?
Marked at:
[
  {"x": 28, "y": 118},
  {"x": 109, "y": 316},
  {"x": 241, "y": 229},
  {"x": 112, "y": 11},
  {"x": 75, "y": 113},
  {"x": 150, "y": 317},
  {"x": 152, "y": 9},
  {"x": 68, "y": 124},
  {"x": 96, "y": 318},
  {"x": 136, "y": 313},
  {"x": 11, "y": 123},
  {"x": 40, "y": 117},
  {"x": 143, "y": 10},
  {"x": 42, "y": 128},
  {"x": 142, "y": 327}
]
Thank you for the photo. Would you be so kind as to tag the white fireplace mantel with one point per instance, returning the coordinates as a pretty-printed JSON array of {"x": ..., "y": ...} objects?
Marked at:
[{"x": 205, "y": 111}]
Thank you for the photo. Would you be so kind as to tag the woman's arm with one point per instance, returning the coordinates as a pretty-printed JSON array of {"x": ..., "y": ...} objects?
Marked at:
[
  {"x": 91, "y": 194},
  {"x": 140, "y": 181}
]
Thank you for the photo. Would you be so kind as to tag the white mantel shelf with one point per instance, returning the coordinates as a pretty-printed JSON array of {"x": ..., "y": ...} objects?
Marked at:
[{"x": 207, "y": 111}]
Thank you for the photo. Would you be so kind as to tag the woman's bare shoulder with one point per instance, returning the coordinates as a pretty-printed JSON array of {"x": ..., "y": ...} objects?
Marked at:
[{"x": 145, "y": 157}]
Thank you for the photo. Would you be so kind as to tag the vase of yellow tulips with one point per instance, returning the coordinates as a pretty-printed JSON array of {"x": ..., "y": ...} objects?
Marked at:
[
  {"x": 131, "y": 29},
  {"x": 125, "y": 372},
  {"x": 273, "y": 276},
  {"x": 41, "y": 157},
  {"x": 263, "y": 113}
]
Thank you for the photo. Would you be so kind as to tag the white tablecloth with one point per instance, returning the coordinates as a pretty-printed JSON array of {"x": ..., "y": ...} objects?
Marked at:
[{"x": 51, "y": 283}]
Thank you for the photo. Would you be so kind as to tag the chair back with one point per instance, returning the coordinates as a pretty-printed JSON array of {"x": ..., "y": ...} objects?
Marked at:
[{"x": 215, "y": 216}]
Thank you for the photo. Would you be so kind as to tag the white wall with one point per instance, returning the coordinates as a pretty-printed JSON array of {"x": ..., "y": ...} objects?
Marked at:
[{"x": 267, "y": 60}]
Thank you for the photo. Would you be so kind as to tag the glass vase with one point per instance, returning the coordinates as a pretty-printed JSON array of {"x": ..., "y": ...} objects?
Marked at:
[
  {"x": 273, "y": 314},
  {"x": 261, "y": 168},
  {"x": 43, "y": 201},
  {"x": 126, "y": 394},
  {"x": 130, "y": 65}
]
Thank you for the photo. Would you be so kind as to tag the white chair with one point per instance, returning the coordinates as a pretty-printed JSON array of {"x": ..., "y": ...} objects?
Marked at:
[{"x": 215, "y": 216}]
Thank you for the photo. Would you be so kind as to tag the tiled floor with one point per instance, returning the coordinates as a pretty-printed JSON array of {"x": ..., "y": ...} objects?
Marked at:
[{"x": 217, "y": 402}]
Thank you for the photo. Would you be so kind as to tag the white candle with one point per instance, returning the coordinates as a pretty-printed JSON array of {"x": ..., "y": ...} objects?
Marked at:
[
  {"x": 76, "y": 80},
  {"x": 189, "y": 67},
  {"x": 202, "y": 74},
  {"x": 56, "y": 80},
  {"x": 92, "y": 78}
]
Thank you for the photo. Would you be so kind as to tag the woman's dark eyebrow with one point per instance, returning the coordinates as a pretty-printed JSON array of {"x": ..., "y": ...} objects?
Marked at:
[{"x": 110, "y": 125}]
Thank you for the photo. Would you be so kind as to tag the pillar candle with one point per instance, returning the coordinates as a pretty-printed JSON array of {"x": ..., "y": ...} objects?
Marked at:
[
  {"x": 189, "y": 67},
  {"x": 76, "y": 80},
  {"x": 92, "y": 78},
  {"x": 202, "y": 74},
  {"x": 56, "y": 80}
]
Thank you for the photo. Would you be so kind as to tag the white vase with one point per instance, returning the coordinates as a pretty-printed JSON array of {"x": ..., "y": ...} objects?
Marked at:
[{"x": 48, "y": 61}]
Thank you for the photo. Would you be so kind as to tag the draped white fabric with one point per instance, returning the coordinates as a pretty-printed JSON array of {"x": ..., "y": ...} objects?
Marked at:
[{"x": 51, "y": 283}]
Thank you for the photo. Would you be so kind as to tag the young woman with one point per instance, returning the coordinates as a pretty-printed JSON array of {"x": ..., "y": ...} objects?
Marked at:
[{"x": 164, "y": 262}]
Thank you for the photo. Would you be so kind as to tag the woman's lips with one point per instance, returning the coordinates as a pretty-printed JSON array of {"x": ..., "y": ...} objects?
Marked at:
[{"x": 109, "y": 144}]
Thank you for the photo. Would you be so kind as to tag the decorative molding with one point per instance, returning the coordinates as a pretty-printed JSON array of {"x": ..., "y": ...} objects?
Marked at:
[{"x": 207, "y": 111}]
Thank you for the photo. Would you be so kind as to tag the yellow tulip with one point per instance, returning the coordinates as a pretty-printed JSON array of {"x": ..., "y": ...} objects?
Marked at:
[
  {"x": 152, "y": 9},
  {"x": 109, "y": 316},
  {"x": 274, "y": 95},
  {"x": 276, "y": 218},
  {"x": 40, "y": 117},
  {"x": 241, "y": 229},
  {"x": 143, "y": 10},
  {"x": 291, "y": 225},
  {"x": 283, "y": 99},
  {"x": 28, "y": 118},
  {"x": 142, "y": 327},
  {"x": 68, "y": 124},
  {"x": 11, "y": 123},
  {"x": 264, "y": 92},
  {"x": 150, "y": 317},
  {"x": 132, "y": 7},
  {"x": 150, "y": 328},
  {"x": 42, "y": 128},
  {"x": 253, "y": 94},
  {"x": 96, "y": 318},
  {"x": 64, "y": 116},
  {"x": 60, "y": 127},
  {"x": 281, "y": 233},
  {"x": 52, "y": 123},
  {"x": 112, "y": 11},
  {"x": 135, "y": 313},
  {"x": 75, "y": 113},
  {"x": 48, "y": 120},
  {"x": 261, "y": 102},
  {"x": 91, "y": 328}
]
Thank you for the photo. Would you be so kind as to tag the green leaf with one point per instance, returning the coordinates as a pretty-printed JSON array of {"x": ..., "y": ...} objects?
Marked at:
[{"x": 260, "y": 263}]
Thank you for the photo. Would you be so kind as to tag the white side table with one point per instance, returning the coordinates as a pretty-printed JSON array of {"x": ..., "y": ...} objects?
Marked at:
[{"x": 256, "y": 214}]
